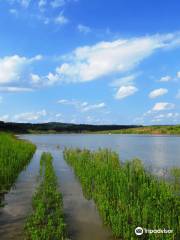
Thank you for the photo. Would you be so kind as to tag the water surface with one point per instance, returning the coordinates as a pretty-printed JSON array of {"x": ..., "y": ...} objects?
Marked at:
[{"x": 158, "y": 151}]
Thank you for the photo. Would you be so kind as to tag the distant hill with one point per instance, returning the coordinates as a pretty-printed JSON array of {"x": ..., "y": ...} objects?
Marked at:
[{"x": 59, "y": 127}]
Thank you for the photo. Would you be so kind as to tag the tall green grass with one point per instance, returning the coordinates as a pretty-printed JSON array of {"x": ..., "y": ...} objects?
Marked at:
[
  {"x": 47, "y": 220},
  {"x": 172, "y": 130},
  {"x": 126, "y": 195},
  {"x": 14, "y": 156}
]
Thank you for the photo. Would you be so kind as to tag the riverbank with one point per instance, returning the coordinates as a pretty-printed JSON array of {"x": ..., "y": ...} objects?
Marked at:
[{"x": 155, "y": 130}]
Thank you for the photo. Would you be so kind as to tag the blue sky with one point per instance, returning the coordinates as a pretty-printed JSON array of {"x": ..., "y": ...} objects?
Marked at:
[{"x": 95, "y": 62}]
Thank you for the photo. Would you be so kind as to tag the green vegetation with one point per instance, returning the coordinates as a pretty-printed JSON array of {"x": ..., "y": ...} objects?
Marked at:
[
  {"x": 47, "y": 219},
  {"x": 174, "y": 130},
  {"x": 126, "y": 195},
  {"x": 14, "y": 156}
]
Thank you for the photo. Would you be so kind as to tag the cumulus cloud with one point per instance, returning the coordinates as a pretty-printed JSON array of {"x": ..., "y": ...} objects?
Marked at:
[
  {"x": 15, "y": 89},
  {"x": 155, "y": 116},
  {"x": 103, "y": 59},
  {"x": 165, "y": 79},
  {"x": 4, "y": 118},
  {"x": 123, "y": 81},
  {"x": 178, "y": 94},
  {"x": 92, "y": 62},
  {"x": 87, "y": 107},
  {"x": 12, "y": 67},
  {"x": 161, "y": 106},
  {"x": 82, "y": 106},
  {"x": 61, "y": 19},
  {"x": 83, "y": 29},
  {"x": 42, "y": 3},
  {"x": 58, "y": 3},
  {"x": 125, "y": 91},
  {"x": 24, "y": 3},
  {"x": 158, "y": 92},
  {"x": 35, "y": 79},
  {"x": 13, "y": 11},
  {"x": 30, "y": 116},
  {"x": 178, "y": 74}
]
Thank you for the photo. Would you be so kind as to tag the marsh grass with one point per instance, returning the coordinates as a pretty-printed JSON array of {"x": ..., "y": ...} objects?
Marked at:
[
  {"x": 47, "y": 220},
  {"x": 14, "y": 156},
  {"x": 126, "y": 195}
]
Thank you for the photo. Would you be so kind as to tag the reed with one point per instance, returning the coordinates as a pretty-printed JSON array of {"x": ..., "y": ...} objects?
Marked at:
[
  {"x": 47, "y": 220},
  {"x": 126, "y": 195},
  {"x": 14, "y": 156}
]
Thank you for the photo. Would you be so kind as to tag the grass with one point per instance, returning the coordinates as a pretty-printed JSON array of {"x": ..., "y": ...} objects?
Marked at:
[
  {"x": 47, "y": 220},
  {"x": 171, "y": 130},
  {"x": 126, "y": 195},
  {"x": 14, "y": 156}
]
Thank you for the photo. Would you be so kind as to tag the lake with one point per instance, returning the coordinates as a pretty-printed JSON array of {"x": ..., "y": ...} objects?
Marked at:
[{"x": 156, "y": 151}]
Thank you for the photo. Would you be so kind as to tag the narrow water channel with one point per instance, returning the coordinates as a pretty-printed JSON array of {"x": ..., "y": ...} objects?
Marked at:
[
  {"x": 82, "y": 217},
  {"x": 18, "y": 202}
]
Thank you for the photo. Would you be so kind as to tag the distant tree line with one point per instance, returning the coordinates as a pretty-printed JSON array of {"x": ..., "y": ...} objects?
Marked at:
[{"x": 58, "y": 127}]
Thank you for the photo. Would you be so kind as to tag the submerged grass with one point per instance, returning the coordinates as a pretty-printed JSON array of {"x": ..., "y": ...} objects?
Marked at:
[
  {"x": 14, "y": 156},
  {"x": 126, "y": 195},
  {"x": 47, "y": 220}
]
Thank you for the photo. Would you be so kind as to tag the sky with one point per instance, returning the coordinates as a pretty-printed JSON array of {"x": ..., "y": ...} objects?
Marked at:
[{"x": 93, "y": 62}]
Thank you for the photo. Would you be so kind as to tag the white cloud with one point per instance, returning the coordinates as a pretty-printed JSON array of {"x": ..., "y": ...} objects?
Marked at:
[
  {"x": 63, "y": 101},
  {"x": 30, "y": 116},
  {"x": 4, "y": 118},
  {"x": 167, "y": 115},
  {"x": 38, "y": 57},
  {"x": 178, "y": 94},
  {"x": 161, "y": 106},
  {"x": 12, "y": 67},
  {"x": 164, "y": 117},
  {"x": 125, "y": 91},
  {"x": 83, "y": 29},
  {"x": 128, "y": 80},
  {"x": 42, "y": 3},
  {"x": 15, "y": 89},
  {"x": 178, "y": 74},
  {"x": 57, "y": 3},
  {"x": 92, "y": 62},
  {"x": 51, "y": 78},
  {"x": 13, "y": 11},
  {"x": 23, "y": 3},
  {"x": 93, "y": 107},
  {"x": 158, "y": 92},
  {"x": 165, "y": 79},
  {"x": 35, "y": 79},
  {"x": 82, "y": 106},
  {"x": 61, "y": 19},
  {"x": 154, "y": 116}
]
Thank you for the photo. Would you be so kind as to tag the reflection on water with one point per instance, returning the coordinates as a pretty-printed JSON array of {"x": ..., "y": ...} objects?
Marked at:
[
  {"x": 18, "y": 202},
  {"x": 159, "y": 152}
]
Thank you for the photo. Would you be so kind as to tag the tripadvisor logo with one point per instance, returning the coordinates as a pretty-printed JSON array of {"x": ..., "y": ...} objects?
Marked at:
[{"x": 139, "y": 231}]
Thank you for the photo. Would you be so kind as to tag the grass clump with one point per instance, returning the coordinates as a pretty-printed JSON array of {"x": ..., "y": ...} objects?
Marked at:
[
  {"x": 126, "y": 195},
  {"x": 47, "y": 220},
  {"x": 14, "y": 156}
]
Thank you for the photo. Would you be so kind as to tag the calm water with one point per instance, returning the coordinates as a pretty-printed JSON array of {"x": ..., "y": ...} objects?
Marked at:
[{"x": 157, "y": 153}]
